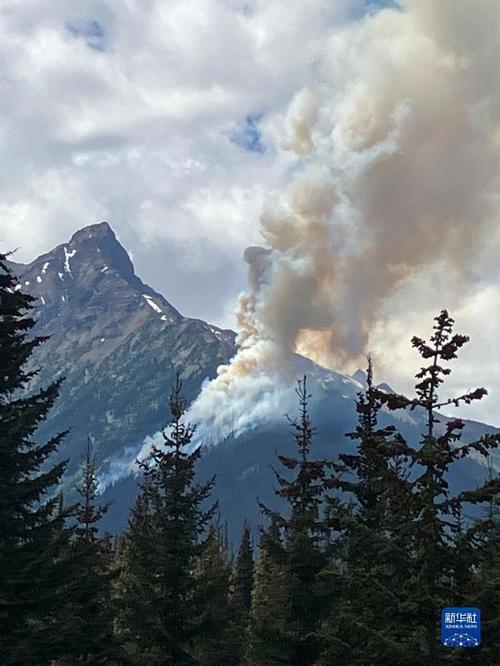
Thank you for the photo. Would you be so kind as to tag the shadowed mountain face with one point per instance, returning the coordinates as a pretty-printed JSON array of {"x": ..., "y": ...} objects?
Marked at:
[
  {"x": 119, "y": 345},
  {"x": 243, "y": 465},
  {"x": 116, "y": 341}
]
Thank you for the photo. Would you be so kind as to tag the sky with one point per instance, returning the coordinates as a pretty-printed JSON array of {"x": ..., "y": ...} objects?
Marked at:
[
  {"x": 163, "y": 118},
  {"x": 170, "y": 121}
]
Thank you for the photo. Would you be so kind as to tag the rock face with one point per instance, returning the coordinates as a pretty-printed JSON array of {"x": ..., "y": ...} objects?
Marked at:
[{"x": 117, "y": 342}]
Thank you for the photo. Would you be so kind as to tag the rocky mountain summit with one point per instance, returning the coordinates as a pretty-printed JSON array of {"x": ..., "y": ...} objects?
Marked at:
[{"x": 117, "y": 342}]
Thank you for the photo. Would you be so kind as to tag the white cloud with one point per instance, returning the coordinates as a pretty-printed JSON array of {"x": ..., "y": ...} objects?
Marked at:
[{"x": 125, "y": 112}]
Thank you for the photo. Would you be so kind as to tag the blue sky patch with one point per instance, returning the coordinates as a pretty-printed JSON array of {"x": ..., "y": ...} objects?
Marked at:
[
  {"x": 376, "y": 5},
  {"x": 249, "y": 136},
  {"x": 90, "y": 30},
  {"x": 373, "y": 6}
]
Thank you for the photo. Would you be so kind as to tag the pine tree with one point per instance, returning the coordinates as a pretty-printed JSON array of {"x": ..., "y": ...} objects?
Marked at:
[
  {"x": 87, "y": 613},
  {"x": 217, "y": 633},
  {"x": 367, "y": 622},
  {"x": 89, "y": 511},
  {"x": 305, "y": 535},
  {"x": 484, "y": 586},
  {"x": 32, "y": 524},
  {"x": 137, "y": 602},
  {"x": 244, "y": 573},
  {"x": 437, "y": 567},
  {"x": 241, "y": 593},
  {"x": 269, "y": 634},
  {"x": 159, "y": 567}
]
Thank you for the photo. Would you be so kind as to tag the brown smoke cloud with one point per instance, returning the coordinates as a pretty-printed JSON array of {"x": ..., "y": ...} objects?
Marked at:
[{"x": 398, "y": 148}]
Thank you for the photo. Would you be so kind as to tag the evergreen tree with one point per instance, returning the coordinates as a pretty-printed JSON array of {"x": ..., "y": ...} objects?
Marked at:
[
  {"x": 241, "y": 593},
  {"x": 174, "y": 504},
  {"x": 218, "y": 633},
  {"x": 437, "y": 568},
  {"x": 47, "y": 634},
  {"x": 269, "y": 634},
  {"x": 484, "y": 585},
  {"x": 368, "y": 621},
  {"x": 244, "y": 573},
  {"x": 303, "y": 553},
  {"x": 87, "y": 613},
  {"x": 89, "y": 511},
  {"x": 137, "y": 602},
  {"x": 32, "y": 524}
]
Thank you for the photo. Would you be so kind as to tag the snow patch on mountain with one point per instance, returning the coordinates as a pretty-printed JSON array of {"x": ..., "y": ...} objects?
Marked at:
[
  {"x": 67, "y": 256},
  {"x": 152, "y": 304}
]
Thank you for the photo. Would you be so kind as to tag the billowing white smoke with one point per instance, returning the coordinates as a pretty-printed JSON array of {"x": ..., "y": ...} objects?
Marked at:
[{"x": 398, "y": 149}]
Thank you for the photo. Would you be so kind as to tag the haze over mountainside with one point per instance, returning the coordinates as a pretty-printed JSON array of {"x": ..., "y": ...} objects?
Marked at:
[{"x": 119, "y": 344}]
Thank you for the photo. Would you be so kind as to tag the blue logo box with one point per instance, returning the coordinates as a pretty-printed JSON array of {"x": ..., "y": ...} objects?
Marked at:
[{"x": 460, "y": 627}]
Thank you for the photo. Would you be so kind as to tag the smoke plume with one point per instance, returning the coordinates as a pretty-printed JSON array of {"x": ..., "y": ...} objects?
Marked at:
[{"x": 398, "y": 149}]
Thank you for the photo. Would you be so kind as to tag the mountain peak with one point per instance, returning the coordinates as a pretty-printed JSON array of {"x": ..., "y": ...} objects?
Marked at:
[
  {"x": 92, "y": 276},
  {"x": 98, "y": 244},
  {"x": 94, "y": 231},
  {"x": 360, "y": 376}
]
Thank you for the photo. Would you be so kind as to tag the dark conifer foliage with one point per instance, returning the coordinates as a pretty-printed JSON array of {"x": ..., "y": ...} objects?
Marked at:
[
  {"x": 244, "y": 573},
  {"x": 32, "y": 532},
  {"x": 367, "y": 624},
  {"x": 136, "y": 593},
  {"x": 86, "y": 615},
  {"x": 218, "y": 630},
  {"x": 89, "y": 511},
  {"x": 438, "y": 568},
  {"x": 377, "y": 464},
  {"x": 242, "y": 581},
  {"x": 269, "y": 634},
  {"x": 302, "y": 552},
  {"x": 159, "y": 565},
  {"x": 482, "y": 588}
]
